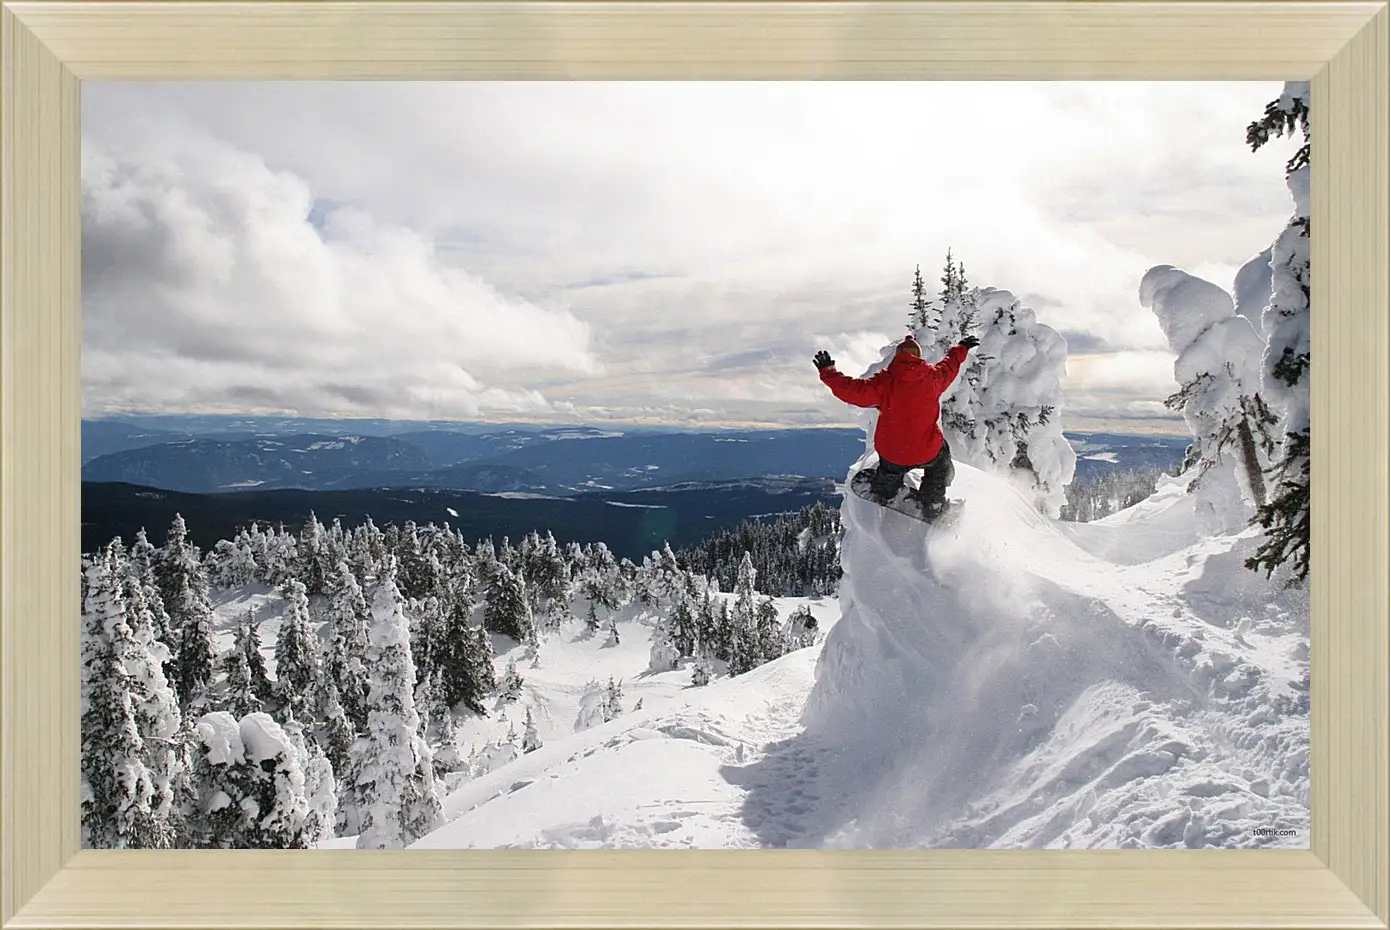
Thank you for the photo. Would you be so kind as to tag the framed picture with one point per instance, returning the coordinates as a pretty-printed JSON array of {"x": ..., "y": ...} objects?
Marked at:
[{"x": 1335, "y": 58}]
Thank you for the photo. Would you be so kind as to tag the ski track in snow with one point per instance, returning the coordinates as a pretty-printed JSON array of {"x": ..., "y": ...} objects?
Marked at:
[{"x": 1009, "y": 682}]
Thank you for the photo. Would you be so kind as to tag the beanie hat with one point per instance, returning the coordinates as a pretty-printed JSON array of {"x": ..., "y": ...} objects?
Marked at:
[{"x": 910, "y": 344}]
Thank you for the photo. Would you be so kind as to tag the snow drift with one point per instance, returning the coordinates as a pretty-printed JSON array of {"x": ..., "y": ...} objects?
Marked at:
[{"x": 1014, "y": 681}]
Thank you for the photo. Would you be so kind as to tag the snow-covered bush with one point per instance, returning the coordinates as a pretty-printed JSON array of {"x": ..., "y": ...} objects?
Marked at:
[
  {"x": 592, "y": 706},
  {"x": 664, "y": 656},
  {"x": 599, "y": 704},
  {"x": 250, "y": 786}
]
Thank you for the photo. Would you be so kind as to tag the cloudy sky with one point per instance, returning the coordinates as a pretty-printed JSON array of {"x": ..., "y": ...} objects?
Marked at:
[{"x": 673, "y": 252}]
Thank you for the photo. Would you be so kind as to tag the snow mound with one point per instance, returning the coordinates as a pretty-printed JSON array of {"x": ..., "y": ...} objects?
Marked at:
[
  {"x": 221, "y": 734},
  {"x": 1008, "y": 682},
  {"x": 264, "y": 739}
]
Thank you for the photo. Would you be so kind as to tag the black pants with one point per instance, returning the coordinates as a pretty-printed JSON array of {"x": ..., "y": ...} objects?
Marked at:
[{"x": 887, "y": 478}]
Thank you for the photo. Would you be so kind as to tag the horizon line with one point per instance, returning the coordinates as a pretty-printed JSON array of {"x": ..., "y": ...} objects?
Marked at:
[{"x": 1137, "y": 427}]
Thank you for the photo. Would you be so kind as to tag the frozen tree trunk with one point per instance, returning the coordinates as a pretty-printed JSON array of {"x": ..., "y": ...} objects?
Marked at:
[{"x": 1251, "y": 461}]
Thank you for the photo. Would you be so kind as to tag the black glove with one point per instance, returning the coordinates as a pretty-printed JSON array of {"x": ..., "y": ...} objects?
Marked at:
[
  {"x": 823, "y": 359},
  {"x": 970, "y": 342}
]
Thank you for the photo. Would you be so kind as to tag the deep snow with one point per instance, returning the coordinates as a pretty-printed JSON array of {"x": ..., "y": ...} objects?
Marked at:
[
  {"x": 1015, "y": 682},
  {"x": 1020, "y": 682}
]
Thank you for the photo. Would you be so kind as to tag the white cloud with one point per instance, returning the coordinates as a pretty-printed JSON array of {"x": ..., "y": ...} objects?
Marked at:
[
  {"x": 205, "y": 280},
  {"x": 593, "y": 244}
]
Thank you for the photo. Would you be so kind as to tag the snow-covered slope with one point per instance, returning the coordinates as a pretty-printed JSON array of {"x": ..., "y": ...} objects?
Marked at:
[
  {"x": 1015, "y": 681},
  {"x": 1019, "y": 683},
  {"x": 676, "y": 774}
]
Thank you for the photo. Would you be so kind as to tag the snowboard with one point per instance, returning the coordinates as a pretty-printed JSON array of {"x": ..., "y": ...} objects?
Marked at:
[{"x": 906, "y": 505}]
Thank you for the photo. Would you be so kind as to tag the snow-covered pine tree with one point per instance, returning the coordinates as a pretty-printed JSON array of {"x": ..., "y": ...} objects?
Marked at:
[
  {"x": 921, "y": 316},
  {"x": 349, "y": 619},
  {"x": 510, "y": 688},
  {"x": 157, "y": 706},
  {"x": 296, "y": 653},
  {"x": 321, "y": 794},
  {"x": 231, "y": 563},
  {"x": 427, "y": 641},
  {"x": 117, "y": 793},
  {"x": 259, "y": 547},
  {"x": 626, "y": 583},
  {"x": 507, "y": 611},
  {"x": 178, "y": 784},
  {"x": 427, "y": 704},
  {"x": 336, "y": 734},
  {"x": 238, "y": 697},
  {"x": 360, "y": 550},
  {"x": 485, "y": 560},
  {"x": 1003, "y": 411},
  {"x": 466, "y": 666},
  {"x": 772, "y": 643},
  {"x": 701, "y": 672},
  {"x": 601, "y": 584},
  {"x": 645, "y": 585},
  {"x": 183, "y": 587},
  {"x": 613, "y": 700},
  {"x": 192, "y": 616},
  {"x": 711, "y": 639},
  {"x": 220, "y": 782},
  {"x": 1218, "y": 370},
  {"x": 548, "y": 581},
  {"x": 449, "y": 755},
  {"x": 531, "y": 740},
  {"x": 682, "y": 624},
  {"x": 663, "y": 656},
  {"x": 669, "y": 578},
  {"x": 393, "y": 771},
  {"x": 282, "y": 560},
  {"x": 593, "y": 706},
  {"x": 249, "y": 783},
  {"x": 144, "y": 558},
  {"x": 172, "y": 558},
  {"x": 1285, "y": 326},
  {"x": 744, "y": 645},
  {"x": 261, "y": 685},
  {"x": 280, "y": 816},
  {"x": 801, "y": 628},
  {"x": 413, "y": 569},
  {"x": 320, "y": 787},
  {"x": 313, "y": 569}
]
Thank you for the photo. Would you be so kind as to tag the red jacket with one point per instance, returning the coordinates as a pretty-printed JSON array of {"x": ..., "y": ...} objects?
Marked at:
[{"x": 908, "y": 394}]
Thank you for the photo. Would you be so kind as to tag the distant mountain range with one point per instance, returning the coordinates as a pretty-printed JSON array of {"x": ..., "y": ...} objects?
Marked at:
[
  {"x": 560, "y": 461},
  {"x": 629, "y": 488}
]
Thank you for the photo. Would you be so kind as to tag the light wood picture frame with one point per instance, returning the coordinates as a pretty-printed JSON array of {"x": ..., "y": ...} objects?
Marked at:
[{"x": 50, "y": 48}]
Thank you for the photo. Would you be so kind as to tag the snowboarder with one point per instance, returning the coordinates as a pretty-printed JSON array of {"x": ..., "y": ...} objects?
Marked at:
[{"x": 908, "y": 394}]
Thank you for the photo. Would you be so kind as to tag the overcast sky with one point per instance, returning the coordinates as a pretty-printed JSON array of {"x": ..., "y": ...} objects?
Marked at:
[{"x": 602, "y": 252}]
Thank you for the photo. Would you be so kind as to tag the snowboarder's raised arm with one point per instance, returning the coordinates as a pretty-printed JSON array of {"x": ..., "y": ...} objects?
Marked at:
[
  {"x": 861, "y": 392},
  {"x": 947, "y": 369}
]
